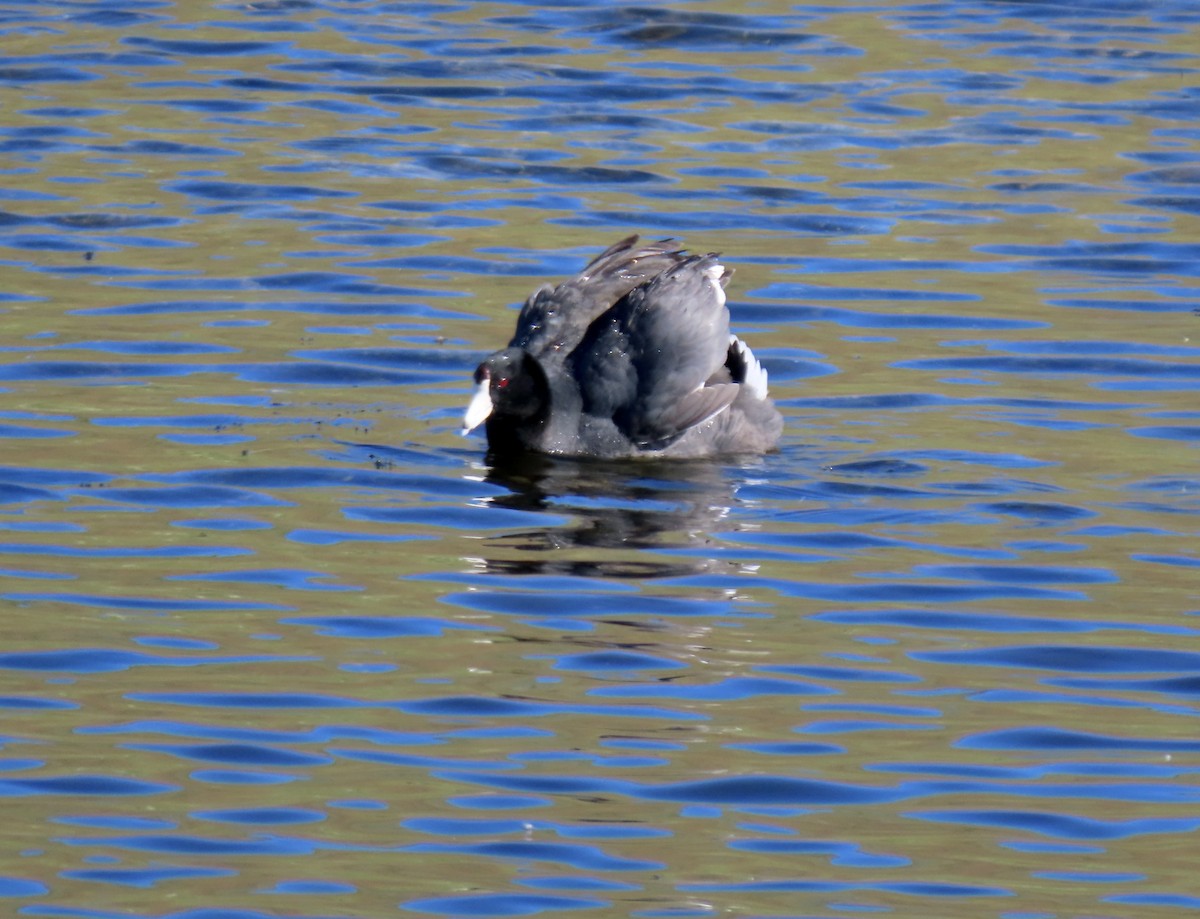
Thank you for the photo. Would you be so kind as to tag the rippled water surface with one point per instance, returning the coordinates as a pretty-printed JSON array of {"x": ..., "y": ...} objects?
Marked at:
[{"x": 278, "y": 642}]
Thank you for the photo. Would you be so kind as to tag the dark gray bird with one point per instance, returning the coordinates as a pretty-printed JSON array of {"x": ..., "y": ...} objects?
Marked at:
[{"x": 633, "y": 357}]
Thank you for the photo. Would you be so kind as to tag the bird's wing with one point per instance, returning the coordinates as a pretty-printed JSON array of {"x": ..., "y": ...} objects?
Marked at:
[{"x": 647, "y": 362}]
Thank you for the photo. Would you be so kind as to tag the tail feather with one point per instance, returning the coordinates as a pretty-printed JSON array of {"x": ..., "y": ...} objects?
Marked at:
[{"x": 748, "y": 371}]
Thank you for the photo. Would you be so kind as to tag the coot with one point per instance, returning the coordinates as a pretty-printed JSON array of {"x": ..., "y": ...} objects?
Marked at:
[{"x": 631, "y": 358}]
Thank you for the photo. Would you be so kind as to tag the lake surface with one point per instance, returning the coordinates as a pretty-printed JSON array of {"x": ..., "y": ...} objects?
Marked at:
[{"x": 277, "y": 641}]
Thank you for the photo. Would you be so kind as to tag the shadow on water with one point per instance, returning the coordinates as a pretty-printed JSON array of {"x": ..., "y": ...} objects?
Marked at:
[{"x": 624, "y": 506}]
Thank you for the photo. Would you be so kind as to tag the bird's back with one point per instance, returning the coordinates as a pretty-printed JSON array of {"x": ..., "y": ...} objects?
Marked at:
[{"x": 554, "y": 319}]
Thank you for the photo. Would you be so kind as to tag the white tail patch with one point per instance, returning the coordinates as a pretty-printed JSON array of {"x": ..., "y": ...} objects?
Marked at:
[
  {"x": 715, "y": 273},
  {"x": 756, "y": 375}
]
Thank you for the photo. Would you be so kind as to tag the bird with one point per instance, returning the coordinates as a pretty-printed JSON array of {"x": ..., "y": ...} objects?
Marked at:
[{"x": 631, "y": 358}]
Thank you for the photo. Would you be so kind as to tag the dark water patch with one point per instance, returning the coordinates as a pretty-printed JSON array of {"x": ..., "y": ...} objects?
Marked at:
[
  {"x": 82, "y": 371},
  {"x": 784, "y": 748},
  {"x": 1091, "y": 347},
  {"x": 42, "y": 243},
  {"x": 832, "y": 544},
  {"x": 194, "y": 496},
  {"x": 141, "y": 348},
  {"x": 1185, "y": 204},
  {"x": 1070, "y": 658},
  {"x": 144, "y": 878},
  {"x": 615, "y": 662},
  {"x": 971, "y": 622},
  {"x": 163, "y": 148},
  {"x": 1060, "y": 826},
  {"x": 879, "y": 468},
  {"x": 83, "y": 785},
  {"x": 198, "y": 48},
  {"x": 586, "y": 605},
  {"x": 328, "y": 374},
  {"x": 441, "y": 68},
  {"x": 1174, "y": 561},
  {"x": 1183, "y": 433},
  {"x": 29, "y": 703},
  {"x": 245, "y": 192},
  {"x": 53, "y": 479},
  {"x": 1089, "y": 701},
  {"x": 337, "y": 283},
  {"x": 1175, "y": 175},
  {"x": 19, "y": 76},
  {"x": 766, "y": 790},
  {"x": 115, "y": 18},
  {"x": 66, "y": 112},
  {"x": 15, "y": 887},
  {"x": 21, "y": 494},
  {"x": 459, "y": 167},
  {"x": 247, "y": 700},
  {"x": 240, "y": 778},
  {"x": 334, "y": 538},
  {"x": 243, "y": 754},
  {"x": 107, "y": 660},
  {"x": 15, "y": 432},
  {"x": 1037, "y": 512},
  {"x": 745, "y": 791},
  {"x": 1184, "y": 686},
  {"x": 214, "y": 106},
  {"x": 102, "y": 221},
  {"x": 1120, "y": 768},
  {"x": 1143, "y": 253},
  {"x": 195, "y": 846},
  {"x": 373, "y": 627},
  {"x": 834, "y": 490},
  {"x": 1019, "y": 574},
  {"x": 1045, "y": 739}
]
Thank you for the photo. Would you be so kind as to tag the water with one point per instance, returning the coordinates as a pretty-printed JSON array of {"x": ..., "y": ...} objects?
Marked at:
[{"x": 278, "y": 642}]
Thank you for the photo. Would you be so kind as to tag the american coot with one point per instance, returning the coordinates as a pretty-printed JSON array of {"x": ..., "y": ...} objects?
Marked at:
[{"x": 631, "y": 358}]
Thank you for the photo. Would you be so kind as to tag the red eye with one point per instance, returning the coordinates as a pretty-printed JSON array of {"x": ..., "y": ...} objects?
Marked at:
[{"x": 502, "y": 382}]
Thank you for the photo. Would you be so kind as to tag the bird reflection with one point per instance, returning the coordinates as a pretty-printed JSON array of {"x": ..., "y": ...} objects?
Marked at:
[{"x": 617, "y": 511}]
